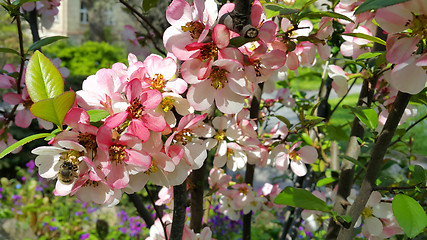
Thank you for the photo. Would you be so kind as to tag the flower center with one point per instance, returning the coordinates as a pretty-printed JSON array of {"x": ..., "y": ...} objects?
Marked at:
[
  {"x": 218, "y": 77},
  {"x": 27, "y": 103},
  {"x": 195, "y": 29},
  {"x": 87, "y": 140},
  {"x": 136, "y": 109},
  {"x": 117, "y": 153},
  {"x": 167, "y": 103},
  {"x": 158, "y": 82},
  {"x": 257, "y": 67},
  {"x": 367, "y": 212},
  {"x": 153, "y": 168},
  {"x": 220, "y": 135},
  {"x": 184, "y": 136},
  {"x": 294, "y": 156},
  {"x": 230, "y": 153},
  {"x": 418, "y": 25},
  {"x": 209, "y": 51}
]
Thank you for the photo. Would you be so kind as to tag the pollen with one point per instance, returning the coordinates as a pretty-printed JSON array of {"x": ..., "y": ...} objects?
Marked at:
[
  {"x": 87, "y": 140},
  {"x": 367, "y": 212},
  {"x": 117, "y": 153},
  {"x": 220, "y": 135},
  {"x": 71, "y": 155},
  {"x": 136, "y": 109},
  {"x": 153, "y": 168},
  {"x": 195, "y": 29},
  {"x": 167, "y": 104},
  {"x": 230, "y": 153},
  {"x": 184, "y": 136},
  {"x": 209, "y": 51},
  {"x": 27, "y": 103},
  {"x": 218, "y": 77},
  {"x": 418, "y": 25},
  {"x": 257, "y": 66},
  {"x": 158, "y": 82}
]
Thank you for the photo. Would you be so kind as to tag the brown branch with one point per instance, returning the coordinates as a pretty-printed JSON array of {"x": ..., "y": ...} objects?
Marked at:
[
  {"x": 250, "y": 168},
  {"x": 179, "y": 211},
  {"x": 146, "y": 21},
  {"x": 197, "y": 179},
  {"x": 409, "y": 128},
  {"x": 239, "y": 20},
  {"x": 141, "y": 209},
  {"x": 374, "y": 166},
  {"x": 157, "y": 211}
]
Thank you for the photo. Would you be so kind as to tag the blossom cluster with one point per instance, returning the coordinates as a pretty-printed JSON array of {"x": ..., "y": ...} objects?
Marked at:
[{"x": 47, "y": 9}]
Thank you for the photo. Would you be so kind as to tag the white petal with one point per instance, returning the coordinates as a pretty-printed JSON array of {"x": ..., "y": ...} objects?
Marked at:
[
  {"x": 298, "y": 167},
  {"x": 374, "y": 225},
  {"x": 48, "y": 150},
  {"x": 48, "y": 166}
]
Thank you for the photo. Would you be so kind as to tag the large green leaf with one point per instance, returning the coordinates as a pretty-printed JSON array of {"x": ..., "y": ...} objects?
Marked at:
[
  {"x": 274, "y": 9},
  {"x": 313, "y": 15},
  {"x": 22, "y": 142},
  {"x": 45, "y": 41},
  {"x": 369, "y": 5},
  {"x": 409, "y": 214},
  {"x": 43, "y": 79},
  {"x": 300, "y": 198},
  {"x": 367, "y": 37},
  {"x": 54, "y": 109},
  {"x": 367, "y": 116}
]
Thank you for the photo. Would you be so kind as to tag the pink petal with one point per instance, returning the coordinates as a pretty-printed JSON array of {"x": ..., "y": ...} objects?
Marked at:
[
  {"x": 190, "y": 70},
  {"x": 308, "y": 154},
  {"x": 221, "y": 36},
  {"x": 154, "y": 121},
  {"x": 138, "y": 128},
  {"x": 12, "y": 98},
  {"x": 178, "y": 13},
  {"x": 228, "y": 102},
  {"x": 393, "y": 19},
  {"x": 23, "y": 118},
  {"x": 268, "y": 31},
  {"x": 201, "y": 96},
  {"x": 115, "y": 120},
  {"x": 118, "y": 177},
  {"x": 299, "y": 168},
  {"x": 139, "y": 159}
]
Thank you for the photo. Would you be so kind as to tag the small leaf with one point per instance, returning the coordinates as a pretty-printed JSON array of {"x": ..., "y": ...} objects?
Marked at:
[
  {"x": 313, "y": 15},
  {"x": 241, "y": 40},
  {"x": 367, "y": 37},
  {"x": 367, "y": 116},
  {"x": 42, "y": 78},
  {"x": 369, "y": 5},
  {"x": 325, "y": 181},
  {"x": 22, "y": 142},
  {"x": 148, "y": 4},
  {"x": 274, "y": 9},
  {"x": 417, "y": 175},
  {"x": 300, "y": 198},
  {"x": 356, "y": 162},
  {"x": 368, "y": 55},
  {"x": 45, "y": 41},
  {"x": 54, "y": 109},
  {"x": 306, "y": 138},
  {"x": 283, "y": 120},
  {"x": 97, "y": 115},
  {"x": 9, "y": 50},
  {"x": 409, "y": 214}
]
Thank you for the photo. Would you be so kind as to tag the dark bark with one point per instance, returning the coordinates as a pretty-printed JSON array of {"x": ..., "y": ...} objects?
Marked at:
[
  {"x": 197, "y": 179},
  {"x": 239, "y": 20},
  {"x": 179, "y": 211},
  {"x": 141, "y": 209},
  {"x": 374, "y": 166}
]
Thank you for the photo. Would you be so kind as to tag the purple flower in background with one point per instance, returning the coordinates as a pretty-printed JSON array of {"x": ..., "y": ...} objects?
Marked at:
[
  {"x": 16, "y": 199},
  {"x": 1, "y": 190},
  {"x": 23, "y": 178},
  {"x": 52, "y": 228},
  {"x": 84, "y": 236},
  {"x": 39, "y": 189},
  {"x": 30, "y": 165},
  {"x": 78, "y": 213}
]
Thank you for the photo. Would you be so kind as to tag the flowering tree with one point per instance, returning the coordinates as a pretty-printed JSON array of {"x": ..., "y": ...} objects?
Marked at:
[{"x": 199, "y": 111}]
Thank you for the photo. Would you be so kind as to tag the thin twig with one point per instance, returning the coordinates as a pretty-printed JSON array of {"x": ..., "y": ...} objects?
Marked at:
[
  {"x": 157, "y": 211},
  {"x": 342, "y": 99},
  {"x": 407, "y": 129},
  {"x": 140, "y": 208},
  {"x": 391, "y": 189}
]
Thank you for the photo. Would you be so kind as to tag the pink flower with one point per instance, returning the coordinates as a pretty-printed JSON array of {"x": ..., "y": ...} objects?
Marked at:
[
  {"x": 140, "y": 111},
  {"x": 218, "y": 179},
  {"x": 23, "y": 115},
  {"x": 340, "y": 78},
  {"x": 297, "y": 159},
  {"x": 6, "y": 142}
]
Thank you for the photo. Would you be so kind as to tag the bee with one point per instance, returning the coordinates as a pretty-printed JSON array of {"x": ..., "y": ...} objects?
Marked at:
[{"x": 68, "y": 172}]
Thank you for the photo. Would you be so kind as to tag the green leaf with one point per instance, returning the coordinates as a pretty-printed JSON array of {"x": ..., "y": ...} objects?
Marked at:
[
  {"x": 22, "y": 142},
  {"x": 43, "y": 79},
  {"x": 300, "y": 198},
  {"x": 45, "y": 41},
  {"x": 367, "y": 116},
  {"x": 325, "y": 181},
  {"x": 369, "y": 5},
  {"x": 409, "y": 214},
  {"x": 356, "y": 162},
  {"x": 8, "y": 50},
  {"x": 54, "y": 109},
  {"x": 274, "y": 9},
  {"x": 148, "y": 4},
  {"x": 241, "y": 40},
  {"x": 313, "y": 15},
  {"x": 306, "y": 138},
  {"x": 368, "y": 55},
  {"x": 367, "y": 37},
  {"x": 284, "y": 120},
  {"x": 417, "y": 175},
  {"x": 308, "y": 4},
  {"x": 97, "y": 115},
  {"x": 420, "y": 98}
]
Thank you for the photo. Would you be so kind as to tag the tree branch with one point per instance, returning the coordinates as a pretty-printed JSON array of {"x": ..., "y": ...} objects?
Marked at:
[
  {"x": 239, "y": 20},
  {"x": 179, "y": 211},
  {"x": 140, "y": 208},
  {"x": 374, "y": 165}
]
